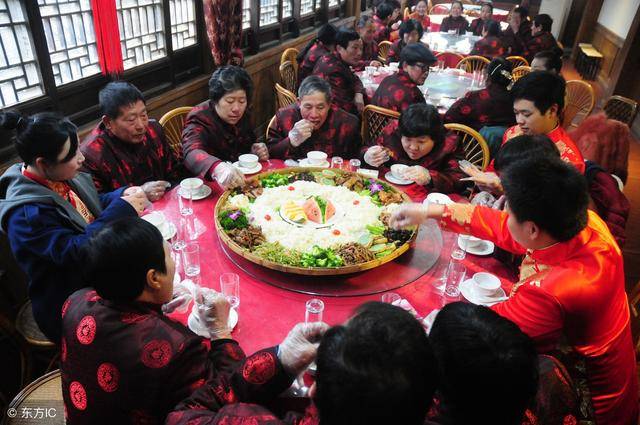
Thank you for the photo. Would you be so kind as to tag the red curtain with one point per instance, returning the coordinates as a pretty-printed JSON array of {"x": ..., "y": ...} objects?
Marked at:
[
  {"x": 105, "y": 23},
  {"x": 223, "y": 19}
]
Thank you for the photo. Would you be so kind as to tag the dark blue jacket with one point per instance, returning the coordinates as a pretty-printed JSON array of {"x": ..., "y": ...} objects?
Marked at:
[{"x": 46, "y": 235}]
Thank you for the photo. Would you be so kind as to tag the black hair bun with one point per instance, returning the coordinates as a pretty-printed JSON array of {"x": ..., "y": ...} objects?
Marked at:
[{"x": 11, "y": 120}]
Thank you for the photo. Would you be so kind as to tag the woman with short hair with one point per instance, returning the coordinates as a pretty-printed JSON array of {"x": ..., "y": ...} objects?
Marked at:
[{"x": 455, "y": 21}]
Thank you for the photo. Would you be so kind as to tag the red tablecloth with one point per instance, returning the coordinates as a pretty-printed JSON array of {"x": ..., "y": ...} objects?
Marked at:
[{"x": 267, "y": 313}]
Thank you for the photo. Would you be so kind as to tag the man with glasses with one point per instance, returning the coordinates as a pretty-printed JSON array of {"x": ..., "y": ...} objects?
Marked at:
[{"x": 400, "y": 90}]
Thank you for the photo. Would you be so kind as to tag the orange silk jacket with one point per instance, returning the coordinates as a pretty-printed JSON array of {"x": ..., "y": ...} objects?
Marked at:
[{"x": 572, "y": 290}]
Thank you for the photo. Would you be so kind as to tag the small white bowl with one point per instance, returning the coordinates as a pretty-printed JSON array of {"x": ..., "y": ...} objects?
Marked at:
[
  {"x": 248, "y": 160},
  {"x": 316, "y": 157},
  {"x": 192, "y": 184},
  {"x": 398, "y": 170}
]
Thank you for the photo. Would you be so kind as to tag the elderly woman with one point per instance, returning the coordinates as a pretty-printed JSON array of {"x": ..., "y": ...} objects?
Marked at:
[
  {"x": 418, "y": 139},
  {"x": 312, "y": 124},
  {"x": 49, "y": 209},
  {"x": 219, "y": 129},
  {"x": 421, "y": 14},
  {"x": 455, "y": 21},
  {"x": 410, "y": 32},
  {"x": 367, "y": 31}
]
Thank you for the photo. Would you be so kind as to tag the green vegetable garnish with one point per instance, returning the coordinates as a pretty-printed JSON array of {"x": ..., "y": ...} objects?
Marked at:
[{"x": 235, "y": 219}]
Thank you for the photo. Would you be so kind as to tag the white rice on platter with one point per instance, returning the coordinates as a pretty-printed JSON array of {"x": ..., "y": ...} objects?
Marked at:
[{"x": 351, "y": 219}]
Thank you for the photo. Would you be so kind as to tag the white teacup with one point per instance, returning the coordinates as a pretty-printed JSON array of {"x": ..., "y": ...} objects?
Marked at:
[
  {"x": 316, "y": 157},
  {"x": 158, "y": 220},
  {"x": 485, "y": 284},
  {"x": 248, "y": 160},
  {"x": 398, "y": 170},
  {"x": 439, "y": 198},
  {"x": 469, "y": 241},
  {"x": 192, "y": 185}
]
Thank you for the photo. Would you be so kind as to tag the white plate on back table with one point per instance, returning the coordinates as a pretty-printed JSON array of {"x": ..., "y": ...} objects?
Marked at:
[
  {"x": 484, "y": 248},
  {"x": 244, "y": 170},
  {"x": 202, "y": 193},
  {"x": 400, "y": 182}
]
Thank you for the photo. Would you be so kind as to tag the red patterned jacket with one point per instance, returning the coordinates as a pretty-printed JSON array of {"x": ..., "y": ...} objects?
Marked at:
[
  {"x": 397, "y": 92},
  {"x": 459, "y": 24},
  {"x": 344, "y": 83},
  {"x": 394, "y": 51},
  {"x": 113, "y": 163},
  {"x": 240, "y": 414},
  {"x": 442, "y": 161},
  {"x": 491, "y": 106},
  {"x": 476, "y": 27},
  {"x": 207, "y": 139},
  {"x": 382, "y": 30},
  {"x": 489, "y": 47},
  {"x": 538, "y": 43},
  {"x": 125, "y": 362},
  {"x": 516, "y": 42},
  {"x": 305, "y": 68},
  {"x": 338, "y": 136}
]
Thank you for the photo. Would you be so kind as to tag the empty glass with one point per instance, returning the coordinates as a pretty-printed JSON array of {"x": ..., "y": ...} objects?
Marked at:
[
  {"x": 336, "y": 162},
  {"x": 456, "y": 273},
  {"x": 354, "y": 164},
  {"x": 313, "y": 313},
  {"x": 185, "y": 202},
  {"x": 230, "y": 288},
  {"x": 191, "y": 259}
]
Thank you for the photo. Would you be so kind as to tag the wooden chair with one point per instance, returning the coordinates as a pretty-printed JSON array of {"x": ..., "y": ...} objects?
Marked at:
[
  {"x": 578, "y": 103},
  {"x": 374, "y": 120},
  {"x": 439, "y": 9},
  {"x": 290, "y": 55},
  {"x": 475, "y": 148},
  {"x": 517, "y": 61},
  {"x": 288, "y": 75},
  {"x": 172, "y": 123},
  {"x": 520, "y": 72},
  {"x": 383, "y": 50},
  {"x": 473, "y": 63},
  {"x": 272, "y": 121},
  {"x": 45, "y": 392},
  {"x": 622, "y": 109},
  {"x": 284, "y": 97},
  {"x": 450, "y": 59}
]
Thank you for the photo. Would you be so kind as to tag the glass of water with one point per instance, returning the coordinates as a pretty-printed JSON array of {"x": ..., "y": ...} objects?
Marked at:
[
  {"x": 185, "y": 202},
  {"x": 230, "y": 288},
  {"x": 191, "y": 259},
  {"x": 314, "y": 309}
]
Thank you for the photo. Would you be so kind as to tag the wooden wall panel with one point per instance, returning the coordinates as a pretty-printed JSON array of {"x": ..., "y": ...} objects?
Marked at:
[{"x": 610, "y": 45}]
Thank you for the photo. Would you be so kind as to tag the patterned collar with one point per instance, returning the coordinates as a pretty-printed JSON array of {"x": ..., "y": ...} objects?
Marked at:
[{"x": 560, "y": 251}]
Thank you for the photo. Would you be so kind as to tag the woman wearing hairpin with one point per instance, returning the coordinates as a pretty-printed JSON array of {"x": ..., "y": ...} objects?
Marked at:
[
  {"x": 489, "y": 107},
  {"x": 49, "y": 209}
]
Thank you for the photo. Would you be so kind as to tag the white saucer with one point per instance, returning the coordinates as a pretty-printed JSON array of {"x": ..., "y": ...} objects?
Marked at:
[
  {"x": 304, "y": 162},
  {"x": 194, "y": 323},
  {"x": 244, "y": 170},
  {"x": 485, "y": 248},
  {"x": 202, "y": 193},
  {"x": 170, "y": 231},
  {"x": 466, "y": 289},
  {"x": 401, "y": 182},
  {"x": 438, "y": 198}
]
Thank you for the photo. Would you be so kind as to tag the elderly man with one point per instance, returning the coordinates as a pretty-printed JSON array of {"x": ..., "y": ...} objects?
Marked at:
[
  {"x": 518, "y": 34},
  {"x": 312, "y": 124},
  {"x": 400, "y": 90},
  {"x": 541, "y": 37},
  {"x": 571, "y": 289},
  {"x": 346, "y": 88},
  {"x": 127, "y": 148}
]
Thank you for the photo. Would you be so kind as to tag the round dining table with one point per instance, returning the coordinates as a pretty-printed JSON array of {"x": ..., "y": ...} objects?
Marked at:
[{"x": 267, "y": 311}]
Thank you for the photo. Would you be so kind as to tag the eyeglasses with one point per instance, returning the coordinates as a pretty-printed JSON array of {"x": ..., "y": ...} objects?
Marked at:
[{"x": 422, "y": 66}]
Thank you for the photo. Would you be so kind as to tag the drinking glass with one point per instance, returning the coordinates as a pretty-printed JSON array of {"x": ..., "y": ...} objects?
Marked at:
[
  {"x": 390, "y": 297},
  {"x": 191, "y": 259},
  {"x": 185, "y": 202},
  {"x": 354, "y": 164},
  {"x": 336, "y": 162},
  {"x": 230, "y": 288},
  {"x": 314, "y": 308},
  {"x": 456, "y": 273}
]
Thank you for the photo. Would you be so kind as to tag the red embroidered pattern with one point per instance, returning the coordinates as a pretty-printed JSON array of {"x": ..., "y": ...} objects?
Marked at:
[
  {"x": 156, "y": 354},
  {"x": 108, "y": 377},
  {"x": 133, "y": 317},
  {"x": 78, "y": 395},
  {"x": 259, "y": 368},
  {"x": 569, "y": 420},
  {"x": 86, "y": 330},
  {"x": 63, "y": 350},
  {"x": 65, "y": 306}
]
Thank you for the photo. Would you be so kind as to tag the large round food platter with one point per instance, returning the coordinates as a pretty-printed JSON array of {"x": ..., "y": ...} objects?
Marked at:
[{"x": 313, "y": 222}]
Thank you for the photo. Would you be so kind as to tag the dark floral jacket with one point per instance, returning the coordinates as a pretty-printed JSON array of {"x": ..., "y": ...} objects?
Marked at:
[
  {"x": 489, "y": 47},
  {"x": 305, "y": 68},
  {"x": 382, "y": 30},
  {"x": 515, "y": 43},
  {"x": 344, "y": 83},
  {"x": 460, "y": 24},
  {"x": 397, "y": 92},
  {"x": 538, "y": 43},
  {"x": 491, "y": 106},
  {"x": 394, "y": 51},
  {"x": 476, "y": 27}
]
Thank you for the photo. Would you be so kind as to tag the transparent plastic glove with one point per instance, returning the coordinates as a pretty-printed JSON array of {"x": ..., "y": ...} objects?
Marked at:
[
  {"x": 376, "y": 156},
  {"x": 408, "y": 215},
  {"x": 298, "y": 349},
  {"x": 261, "y": 150},
  {"x": 484, "y": 199},
  {"x": 300, "y": 132},
  {"x": 136, "y": 198},
  {"x": 213, "y": 312},
  {"x": 358, "y": 99},
  {"x": 418, "y": 174},
  {"x": 228, "y": 176},
  {"x": 155, "y": 189}
]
